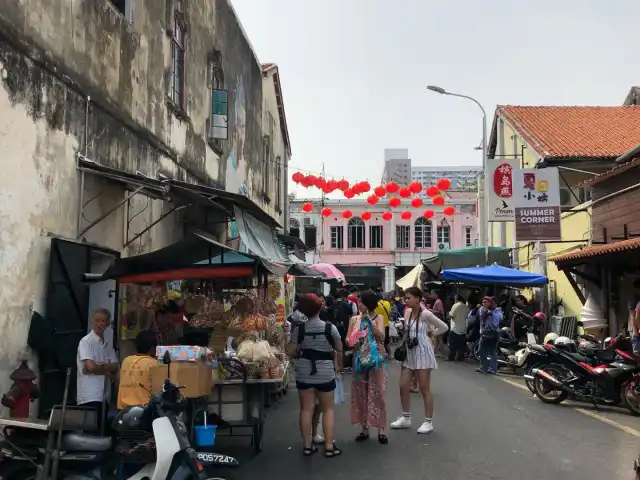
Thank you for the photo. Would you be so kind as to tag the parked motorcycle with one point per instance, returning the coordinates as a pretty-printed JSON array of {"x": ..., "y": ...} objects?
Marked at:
[
  {"x": 91, "y": 457},
  {"x": 572, "y": 375}
]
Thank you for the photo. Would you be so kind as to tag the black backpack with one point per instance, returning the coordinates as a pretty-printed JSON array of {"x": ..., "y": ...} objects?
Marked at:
[
  {"x": 343, "y": 313},
  {"x": 302, "y": 332}
]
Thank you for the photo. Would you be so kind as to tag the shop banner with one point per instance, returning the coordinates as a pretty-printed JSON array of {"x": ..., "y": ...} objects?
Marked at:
[
  {"x": 499, "y": 191},
  {"x": 537, "y": 204}
]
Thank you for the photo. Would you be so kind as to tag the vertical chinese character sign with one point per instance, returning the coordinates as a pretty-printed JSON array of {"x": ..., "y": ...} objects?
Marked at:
[
  {"x": 499, "y": 188},
  {"x": 537, "y": 204}
]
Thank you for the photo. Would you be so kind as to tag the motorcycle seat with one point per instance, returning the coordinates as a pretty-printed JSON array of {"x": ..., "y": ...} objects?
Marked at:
[
  {"x": 80, "y": 442},
  {"x": 538, "y": 348}
]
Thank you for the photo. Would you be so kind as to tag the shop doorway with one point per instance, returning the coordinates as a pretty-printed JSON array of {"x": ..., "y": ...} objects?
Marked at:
[{"x": 70, "y": 298}]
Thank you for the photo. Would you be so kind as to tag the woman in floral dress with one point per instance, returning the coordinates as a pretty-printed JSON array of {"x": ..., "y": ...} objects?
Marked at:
[{"x": 368, "y": 390}]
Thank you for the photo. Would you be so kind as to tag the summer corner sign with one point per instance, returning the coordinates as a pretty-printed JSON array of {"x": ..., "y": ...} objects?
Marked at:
[
  {"x": 537, "y": 204},
  {"x": 499, "y": 188}
]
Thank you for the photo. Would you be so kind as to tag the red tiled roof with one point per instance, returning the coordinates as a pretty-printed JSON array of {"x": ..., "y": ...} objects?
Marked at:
[
  {"x": 267, "y": 66},
  {"x": 613, "y": 172},
  {"x": 599, "y": 250},
  {"x": 586, "y": 132}
]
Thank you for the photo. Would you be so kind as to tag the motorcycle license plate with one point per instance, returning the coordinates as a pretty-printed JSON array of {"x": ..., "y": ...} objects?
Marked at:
[{"x": 207, "y": 458}]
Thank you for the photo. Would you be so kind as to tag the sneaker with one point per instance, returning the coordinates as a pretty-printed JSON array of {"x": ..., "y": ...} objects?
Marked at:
[
  {"x": 318, "y": 439},
  {"x": 426, "y": 427},
  {"x": 402, "y": 422}
]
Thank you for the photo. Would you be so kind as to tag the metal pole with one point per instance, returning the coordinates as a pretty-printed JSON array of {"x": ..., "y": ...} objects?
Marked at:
[{"x": 109, "y": 212}]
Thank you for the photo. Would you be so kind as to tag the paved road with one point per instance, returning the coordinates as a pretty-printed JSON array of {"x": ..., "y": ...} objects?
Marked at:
[{"x": 485, "y": 428}]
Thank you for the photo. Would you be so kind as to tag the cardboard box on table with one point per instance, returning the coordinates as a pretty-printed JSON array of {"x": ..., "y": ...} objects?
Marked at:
[{"x": 195, "y": 377}]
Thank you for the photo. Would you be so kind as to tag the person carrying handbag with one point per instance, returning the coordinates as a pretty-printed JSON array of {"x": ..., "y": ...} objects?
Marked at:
[{"x": 368, "y": 390}]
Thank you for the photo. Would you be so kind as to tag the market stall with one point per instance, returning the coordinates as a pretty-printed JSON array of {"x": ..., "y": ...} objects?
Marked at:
[{"x": 219, "y": 313}]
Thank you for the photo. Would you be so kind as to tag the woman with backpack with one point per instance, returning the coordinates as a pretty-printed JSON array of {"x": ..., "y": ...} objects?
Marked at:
[
  {"x": 366, "y": 336},
  {"x": 317, "y": 349}
]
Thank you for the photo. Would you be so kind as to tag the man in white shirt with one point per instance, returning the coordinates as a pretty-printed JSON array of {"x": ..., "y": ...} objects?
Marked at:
[
  {"x": 458, "y": 331},
  {"x": 96, "y": 360}
]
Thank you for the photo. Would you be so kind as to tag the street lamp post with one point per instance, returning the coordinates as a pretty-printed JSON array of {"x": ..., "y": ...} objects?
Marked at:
[{"x": 482, "y": 205}]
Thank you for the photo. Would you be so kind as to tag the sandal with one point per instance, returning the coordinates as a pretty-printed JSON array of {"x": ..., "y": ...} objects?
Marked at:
[
  {"x": 332, "y": 452},
  {"x": 361, "y": 437},
  {"x": 383, "y": 439},
  {"x": 308, "y": 451}
]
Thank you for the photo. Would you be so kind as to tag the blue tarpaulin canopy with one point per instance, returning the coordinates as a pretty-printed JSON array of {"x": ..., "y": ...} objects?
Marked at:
[{"x": 494, "y": 275}]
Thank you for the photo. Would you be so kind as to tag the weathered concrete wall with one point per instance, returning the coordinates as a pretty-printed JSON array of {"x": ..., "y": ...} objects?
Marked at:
[{"x": 54, "y": 54}]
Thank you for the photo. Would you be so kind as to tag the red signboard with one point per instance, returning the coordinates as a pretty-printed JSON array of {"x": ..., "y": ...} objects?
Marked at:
[{"x": 503, "y": 181}]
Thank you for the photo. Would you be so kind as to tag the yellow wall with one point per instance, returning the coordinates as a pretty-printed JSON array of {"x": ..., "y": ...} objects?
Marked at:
[{"x": 575, "y": 225}]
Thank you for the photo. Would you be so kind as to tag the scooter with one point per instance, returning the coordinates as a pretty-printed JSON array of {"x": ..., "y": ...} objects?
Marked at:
[{"x": 89, "y": 457}]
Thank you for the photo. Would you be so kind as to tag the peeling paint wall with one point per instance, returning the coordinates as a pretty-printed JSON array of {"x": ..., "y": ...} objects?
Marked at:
[{"x": 54, "y": 54}]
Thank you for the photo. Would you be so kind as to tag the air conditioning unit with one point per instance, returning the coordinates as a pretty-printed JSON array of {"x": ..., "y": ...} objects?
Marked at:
[
  {"x": 443, "y": 246},
  {"x": 568, "y": 196},
  {"x": 307, "y": 222}
]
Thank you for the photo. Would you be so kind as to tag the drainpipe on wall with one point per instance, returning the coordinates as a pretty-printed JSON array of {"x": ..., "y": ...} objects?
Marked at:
[
  {"x": 629, "y": 154},
  {"x": 286, "y": 195}
]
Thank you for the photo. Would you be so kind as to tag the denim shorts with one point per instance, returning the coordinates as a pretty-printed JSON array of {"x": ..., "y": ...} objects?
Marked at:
[{"x": 635, "y": 343}]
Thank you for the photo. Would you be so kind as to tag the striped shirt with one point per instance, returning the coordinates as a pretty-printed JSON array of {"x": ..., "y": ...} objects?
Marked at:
[{"x": 319, "y": 342}]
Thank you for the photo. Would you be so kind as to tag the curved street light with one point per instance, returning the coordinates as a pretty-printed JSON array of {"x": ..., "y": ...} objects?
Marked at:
[{"x": 482, "y": 207}]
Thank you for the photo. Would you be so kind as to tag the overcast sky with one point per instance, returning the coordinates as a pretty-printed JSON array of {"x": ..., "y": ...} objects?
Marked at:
[{"x": 354, "y": 72}]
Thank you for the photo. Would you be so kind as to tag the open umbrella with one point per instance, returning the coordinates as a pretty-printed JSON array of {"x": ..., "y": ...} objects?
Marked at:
[{"x": 329, "y": 270}]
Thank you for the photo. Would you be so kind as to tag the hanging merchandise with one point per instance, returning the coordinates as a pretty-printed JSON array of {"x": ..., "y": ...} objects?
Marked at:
[
  {"x": 432, "y": 191},
  {"x": 415, "y": 187},
  {"x": 394, "y": 202},
  {"x": 406, "y": 215},
  {"x": 348, "y": 193},
  {"x": 404, "y": 192},
  {"x": 428, "y": 213},
  {"x": 387, "y": 216},
  {"x": 366, "y": 215},
  {"x": 347, "y": 214},
  {"x": 392, "y": 187},
  {"x": 297, "y": 177},
  {"x": 307, "y": 207},
  {"x": 443, "y": 184},
  {"x": 343, "y": 185},
  {"x": 438, "y": 200},
  {"x": 326, "y": 212},
  {"x": 416, "y": 202},
  {"x": 380, "y": 191},
  {"x": 449, "y": 210},
  {"x": 372, "y": 199}
]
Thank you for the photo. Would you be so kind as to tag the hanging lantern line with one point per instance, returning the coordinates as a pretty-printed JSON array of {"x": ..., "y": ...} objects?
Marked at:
[{"x": 326, "y": 175}]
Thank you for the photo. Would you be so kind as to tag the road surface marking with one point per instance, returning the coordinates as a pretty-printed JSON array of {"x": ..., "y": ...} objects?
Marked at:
[{"x": 588, "y": 413}]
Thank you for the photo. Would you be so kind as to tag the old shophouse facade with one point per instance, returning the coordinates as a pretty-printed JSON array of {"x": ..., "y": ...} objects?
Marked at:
[{"x": 122, "y": 128}]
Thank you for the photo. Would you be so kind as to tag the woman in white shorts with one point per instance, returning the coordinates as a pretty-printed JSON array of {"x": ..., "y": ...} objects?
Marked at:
[{"x": 420, "y": 359}]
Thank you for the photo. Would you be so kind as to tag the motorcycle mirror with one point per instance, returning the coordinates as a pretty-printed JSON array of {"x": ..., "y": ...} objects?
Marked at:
[{"x": 166, "y": 359}]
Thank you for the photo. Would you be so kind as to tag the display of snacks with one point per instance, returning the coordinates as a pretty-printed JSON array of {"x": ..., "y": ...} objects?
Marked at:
[
  {"x": 253, "y": 369},
  {"x": 274, "y": 290},
  {"x": 264, "y": 372},
  {"x": 273, "y": 373}
]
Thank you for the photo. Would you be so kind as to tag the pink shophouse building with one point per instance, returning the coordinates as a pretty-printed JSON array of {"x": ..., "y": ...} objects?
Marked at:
[{"x": 377, "y": 251}]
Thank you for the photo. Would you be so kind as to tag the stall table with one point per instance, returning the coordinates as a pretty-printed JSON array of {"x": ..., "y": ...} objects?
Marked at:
[{"x": 242, "y": 404}]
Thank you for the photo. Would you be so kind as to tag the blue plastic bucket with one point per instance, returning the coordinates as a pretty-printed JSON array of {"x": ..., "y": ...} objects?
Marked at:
[{"x": 205, "y": 435}]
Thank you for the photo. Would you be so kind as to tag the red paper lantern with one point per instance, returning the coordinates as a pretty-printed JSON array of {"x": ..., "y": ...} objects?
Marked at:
[
  {"x": 432, "y": 191},
  {"x": 404, "y": 192},
  {"x": 307, "y": 207},
  {"x": 406, "y": 215},
  {"x": 347, "y": 214},
  {"x": 449, "y": 210},
  {"x": 438, "y": 200},
  {"x": 348, "y": 193},
  {"x": 297, "y": 177},
  {"x": 332, "y": 185},
  {"x": 416, "y": 202},
  {"x": 372, "y": 199},
  {"x": 415, "y": 187},
  {"x": 320, "y": 182},
  {"x": 326, "y": 189},
  {"x": 443, "y": 184},
  {"x": 380, "y": 191},
  {"x": 356, "y": 188},
  {"x": 366, "y": 215},
  {"x": 366, "y": 187},
  {"x": 387, "y": 216},
  {"x": 311, "y": 180},
  {"x": 394, "y": 202},
  {"x": 343, "y": 185},
  {"x": 392, "y": 187},
  {"x": 428, "y": 213},
  {"x": 326, "y": 212}
]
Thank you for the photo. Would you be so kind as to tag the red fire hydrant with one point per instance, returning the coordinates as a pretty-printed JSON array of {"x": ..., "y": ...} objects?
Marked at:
[{"x": 22, "y": 392}]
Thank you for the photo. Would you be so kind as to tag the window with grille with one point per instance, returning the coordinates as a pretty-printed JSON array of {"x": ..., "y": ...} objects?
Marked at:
[
  {"x": 356, "y": 232},
  {"x": 375, "y": 236},
  {"x": 177, "y": 64},
  {"x": 337, "y": 237},
  {"x": 402, "y": 236},
  {"x": 422, "y": 233},
  {"x": 444, "y": 234},
  {"x": 310, "y": 236},
  {"x": 468, "y": 241}
]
